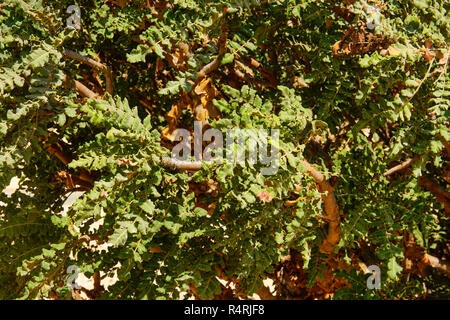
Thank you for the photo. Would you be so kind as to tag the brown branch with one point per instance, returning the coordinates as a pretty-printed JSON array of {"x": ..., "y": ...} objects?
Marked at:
[
  {"x": 95, "y": 64},
  {"x": 332, "y": 214},
  {"x": 222, "y": 44},
  {"x": 79, "y": 87},
  {"x": 433, "y": 187},
  {"x": 84, "y": 179},
  {"x": 85, "y": 60},
  {"x": 407, "y": 163},
  {"x": 54, "y": 151},
  {"x": 83, "y": 90},
  {"x": 443, "y": 196},
  {"x": 258, "y": 83},
  {"x": 416, "y": 254},
  {"x": 290, "y": 203}
]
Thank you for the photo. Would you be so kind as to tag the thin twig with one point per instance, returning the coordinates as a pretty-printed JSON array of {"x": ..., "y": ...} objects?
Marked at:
[
  {"x": 407, "y": 163},
  {"x": 222, "y": 44},
  {"x": 95, "y": 64}
]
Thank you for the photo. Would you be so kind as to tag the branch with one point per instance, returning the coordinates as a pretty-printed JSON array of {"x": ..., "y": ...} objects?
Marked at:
[
  {"x": 331, "y": 208},
  {"x": 64, "y": 158},
  {"x": 182, "y": 165},
  {"x": 79, "y": 87},
  {"x": 84, "y": 179},
  {"x": 95, "y": 64},
  {"x": 222, "y": 44},
  {"x": 407, "y": 163},
  {"x": 443, "y": 196}
]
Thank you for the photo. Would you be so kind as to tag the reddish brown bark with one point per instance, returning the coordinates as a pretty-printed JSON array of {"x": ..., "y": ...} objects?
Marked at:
[{"x": 332, "y": 215}]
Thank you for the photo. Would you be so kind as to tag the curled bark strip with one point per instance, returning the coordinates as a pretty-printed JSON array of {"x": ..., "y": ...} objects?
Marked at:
[
  {"x": 95, "y": 64},
  {"x": 407, "y": 163},
  {"x": 331, "y": 209}
]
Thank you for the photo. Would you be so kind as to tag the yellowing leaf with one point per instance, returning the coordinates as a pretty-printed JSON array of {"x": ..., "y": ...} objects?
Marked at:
[{"x": 393, "y": 51}]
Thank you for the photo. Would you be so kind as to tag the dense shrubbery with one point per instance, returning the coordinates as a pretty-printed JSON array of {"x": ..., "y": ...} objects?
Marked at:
[{"x": 359, "y": 91}]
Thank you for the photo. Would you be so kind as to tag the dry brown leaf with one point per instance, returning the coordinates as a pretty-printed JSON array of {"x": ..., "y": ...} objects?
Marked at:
[
  {"x": 207, "y": 92},
  {"x": 179, "y": 57},
  {"x": 336, "y": 48},
  {"x": 300, "y": 82},
  {"x": 155, "y": 249},
  {"x": 120, "y": 3},
  {"x": 173, "y": 115},
  {"x": 442, "y": 57},
  {"x": 428, "y": 55}
]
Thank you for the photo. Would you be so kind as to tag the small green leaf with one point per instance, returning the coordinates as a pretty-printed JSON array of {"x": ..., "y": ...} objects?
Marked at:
[
  {"x": 394, "y": 268},
  {"x": 119, "y": 237},
  {"x": 61, "y": 119},
  {"x": 227, "y": 58},
  {"x": 148, "y": 206}
]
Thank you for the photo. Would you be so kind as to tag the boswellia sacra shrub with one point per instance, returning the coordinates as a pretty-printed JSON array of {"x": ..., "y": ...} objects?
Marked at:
[{"x": 353, "y": 99}]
